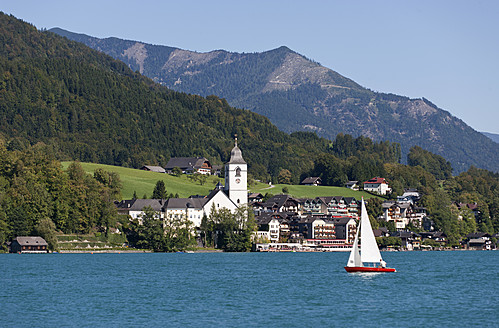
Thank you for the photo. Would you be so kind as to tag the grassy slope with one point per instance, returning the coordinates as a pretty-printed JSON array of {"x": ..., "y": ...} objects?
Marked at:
[{"x": 143, "y": 182}]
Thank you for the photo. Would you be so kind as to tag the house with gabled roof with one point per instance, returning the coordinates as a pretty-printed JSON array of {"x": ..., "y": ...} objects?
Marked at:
[
  {"x": 410, "y": 240},
  {"x": 403, "y": 213},
  {"x": 255, "y": 197},
  {"x": 312, "y": 181},
  {"x": 354, "y": 185},
  {"x": 438, "y": 236},
  {"x": 190, "y": 208},
  {"x": 151, "y": 168},
  {"x": 268, "y": 227},
  {"x": 377, "y": 185},
  {"x": 189, "y": 165},
  {"x": 28, "y": 244},
  {"x": 135, "y": 207},
  {"x": 331, "y": 206},
  {"x": 479, "y": 240},
  {"x": 278, "y": 204}
]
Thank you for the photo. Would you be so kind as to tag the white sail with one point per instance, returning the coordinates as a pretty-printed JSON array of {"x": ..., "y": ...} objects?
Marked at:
[
  {"x": 369, "y": 247},
  {"x": 354, "y": 259}
]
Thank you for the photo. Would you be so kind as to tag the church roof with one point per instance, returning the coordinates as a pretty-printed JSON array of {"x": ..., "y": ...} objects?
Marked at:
[
  {"x": 176, "y": 203},
  {"x": 236, "y": 156}
]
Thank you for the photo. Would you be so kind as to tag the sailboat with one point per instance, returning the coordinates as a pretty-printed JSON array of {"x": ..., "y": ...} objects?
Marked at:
[{"x": 367, "y": 258}]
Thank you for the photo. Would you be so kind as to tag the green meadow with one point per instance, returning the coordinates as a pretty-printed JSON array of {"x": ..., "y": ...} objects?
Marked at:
[{"x": 143, "y": 182}]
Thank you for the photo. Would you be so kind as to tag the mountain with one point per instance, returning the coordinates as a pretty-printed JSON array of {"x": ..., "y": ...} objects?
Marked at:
[
  {"x": 297, "y": 94},
  {"x": 492, "y": 136},
  {"x": 85, "y": 105}
]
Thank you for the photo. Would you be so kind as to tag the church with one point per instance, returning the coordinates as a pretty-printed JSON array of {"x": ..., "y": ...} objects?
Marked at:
[{"x": 230, "y": 196}]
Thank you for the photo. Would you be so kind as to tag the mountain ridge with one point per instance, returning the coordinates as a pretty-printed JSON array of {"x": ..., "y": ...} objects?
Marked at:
[
  {"x": 493, "y": 136},
  {"x": 298, "y": 94}
]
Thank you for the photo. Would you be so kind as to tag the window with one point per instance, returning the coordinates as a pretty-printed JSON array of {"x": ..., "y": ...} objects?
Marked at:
[{"x": 238, "y": 171}]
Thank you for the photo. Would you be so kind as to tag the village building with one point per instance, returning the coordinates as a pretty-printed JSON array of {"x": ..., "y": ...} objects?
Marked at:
[
  {"x": 135, "y": 207},
  {"x": 151, "y": 168},
  {"x": 29, "y": 244},
  {"x": 335, "y": 206},
  {"x": 255, "y": 197},
  {"x": 311, "y": 181},
  {"x": 437, "y": 236},
  {"x": 410, "y": 240},
  {"x": 377, "y": 185},
  {"x": 403, "y": 213},
  {"x": 381, "y": 232},
  {"x": 311, "y": 228},
  {"x": 278, "y": 204},
  {"x": 472, "y": 207},
  {"x": 191, "y": 208},
  {"x": 354, "y": 185},
  {"x": 268, "y": 228},
  {"x": 479, "y": 241},
  {"x": 216, "y": 170},
  {"x": 345, "y": 229},
  {"x": 189, "y": 165},
  {"x": 413, "y": 194}
]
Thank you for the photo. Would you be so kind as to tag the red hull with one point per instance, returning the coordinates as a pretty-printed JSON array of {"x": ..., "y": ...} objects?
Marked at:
[{"x": 368, "y": 269}]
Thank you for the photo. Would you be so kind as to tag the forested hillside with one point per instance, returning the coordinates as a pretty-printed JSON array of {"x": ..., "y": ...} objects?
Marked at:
[
  {"x": 87, "y": 106},
  {"x": 298, "y": 94}
]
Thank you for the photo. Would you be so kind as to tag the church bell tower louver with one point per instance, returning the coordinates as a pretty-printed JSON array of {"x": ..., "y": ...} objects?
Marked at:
[{"x": 236, "y": 177}]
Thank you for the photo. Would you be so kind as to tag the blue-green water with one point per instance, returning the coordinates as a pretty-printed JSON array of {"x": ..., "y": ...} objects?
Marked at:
[{"x": 429, "y": 289}]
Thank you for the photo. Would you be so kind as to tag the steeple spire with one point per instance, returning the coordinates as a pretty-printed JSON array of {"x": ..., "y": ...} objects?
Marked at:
[{"x": 236, "y": 157}]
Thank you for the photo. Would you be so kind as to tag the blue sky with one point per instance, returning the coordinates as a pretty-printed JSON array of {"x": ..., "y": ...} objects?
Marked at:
[{"x": 445, "y": 51}]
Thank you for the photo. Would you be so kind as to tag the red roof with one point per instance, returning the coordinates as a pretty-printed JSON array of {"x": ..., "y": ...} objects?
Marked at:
[{"x": 376, "y": 180}]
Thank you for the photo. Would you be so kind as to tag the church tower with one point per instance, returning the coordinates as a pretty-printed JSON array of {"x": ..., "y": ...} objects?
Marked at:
[{"x": 236, "y": 177}]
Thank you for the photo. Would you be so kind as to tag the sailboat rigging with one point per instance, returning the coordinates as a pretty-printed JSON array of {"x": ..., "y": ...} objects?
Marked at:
[{"x": 367, "y": 257}]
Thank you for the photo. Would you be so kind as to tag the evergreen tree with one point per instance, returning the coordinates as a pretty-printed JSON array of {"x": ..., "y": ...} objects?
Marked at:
[{"x": 159, "y": 191}]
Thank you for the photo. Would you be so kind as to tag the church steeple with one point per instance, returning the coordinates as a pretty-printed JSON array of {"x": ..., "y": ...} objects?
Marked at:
[
  {"x": 236, "y": 176},
  {"x": 236, "y": 156}
]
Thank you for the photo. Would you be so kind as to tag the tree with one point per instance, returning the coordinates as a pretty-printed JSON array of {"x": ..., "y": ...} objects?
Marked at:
[
  {"x": 388, "y": 241},
  {"x": 284, "y": 177},
  {"x": 111, "y": 180},
  {"x": 435, "y": 164},
  {"x": 179, "y": 233},
  {"x": 159, "y": 191},
  {"x": 150, "y": 233},
  {"x": 4, "y": 233},
  {"x": 46, "y": 229},
  {"x": 176, "y": 171},
  {"x": 202, "y": 179},
  {"x": 233, "y": 231}
]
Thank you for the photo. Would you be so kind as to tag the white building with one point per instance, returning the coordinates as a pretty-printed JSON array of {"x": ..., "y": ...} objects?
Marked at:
[
  {"x": 377, "y": 185},
  {"x": 135, "y": 207}
]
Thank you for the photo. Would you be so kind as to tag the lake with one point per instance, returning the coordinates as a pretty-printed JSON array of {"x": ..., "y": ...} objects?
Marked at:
[{"x": 450, "y": 289}]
